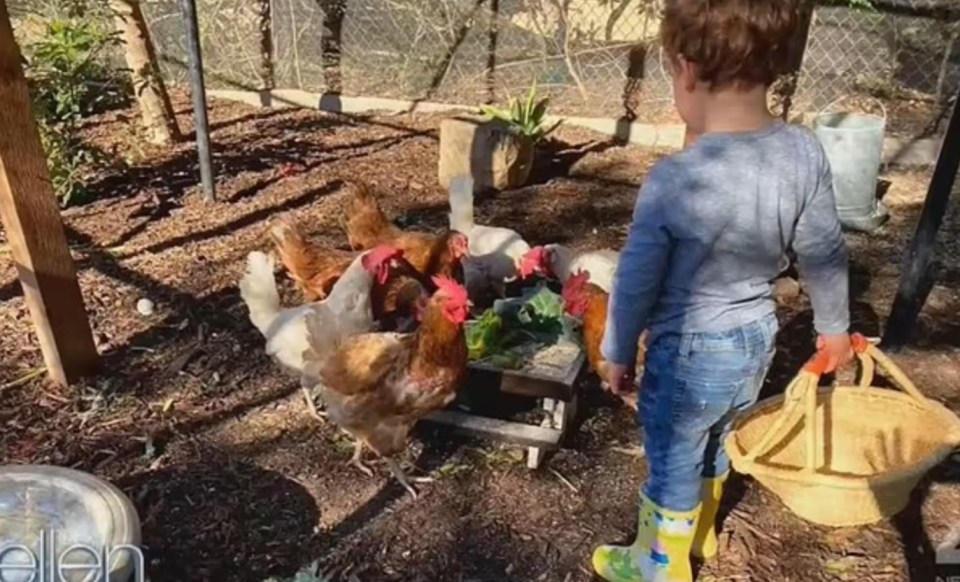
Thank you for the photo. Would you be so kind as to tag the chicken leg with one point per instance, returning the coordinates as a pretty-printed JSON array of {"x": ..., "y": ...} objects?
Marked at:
[
  {"x": 357, "y": 460},
  {"x": 403, "y": 479},
  {"x": 313, "y": 407}
]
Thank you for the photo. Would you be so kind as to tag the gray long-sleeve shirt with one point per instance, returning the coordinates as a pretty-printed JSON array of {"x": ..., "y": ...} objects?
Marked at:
[{"x": 709, "y": 228}]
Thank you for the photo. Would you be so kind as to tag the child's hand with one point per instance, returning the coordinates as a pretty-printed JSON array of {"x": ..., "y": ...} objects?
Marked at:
[
  {"x": 838, "y": 348},
  {"x": 619, "y": 378}
]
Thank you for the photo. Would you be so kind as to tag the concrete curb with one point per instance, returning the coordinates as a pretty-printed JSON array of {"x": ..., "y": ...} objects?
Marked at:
[
  {"x": 646, "y": 134},
  {"x": 902, "y": 152}
]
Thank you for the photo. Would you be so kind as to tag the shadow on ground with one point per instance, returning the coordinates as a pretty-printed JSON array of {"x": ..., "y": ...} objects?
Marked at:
[{"x": 254, "y": 523}]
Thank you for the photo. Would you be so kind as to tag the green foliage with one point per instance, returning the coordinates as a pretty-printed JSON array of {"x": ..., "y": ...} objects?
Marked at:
[
  {"x": 524, "y": 117},
  {"x": 67, "y": 72},
  {"x": 862, "y": 4},
  {"x": 507, "y": 333},
  {"x": 489, "y": 342},
  {"x": 69, "y": 79},
  {"x": 543, "y": 312},
  {"x": 483, "y": 335},
  {"x": 69, "y": 161}
]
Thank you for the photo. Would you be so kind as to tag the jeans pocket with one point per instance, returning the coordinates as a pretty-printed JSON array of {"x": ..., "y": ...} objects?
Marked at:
[{"x": 702, "y": 396}]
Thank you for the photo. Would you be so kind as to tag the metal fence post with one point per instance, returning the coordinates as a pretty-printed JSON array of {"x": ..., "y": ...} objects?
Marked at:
[{"x": 189, "y": 10}]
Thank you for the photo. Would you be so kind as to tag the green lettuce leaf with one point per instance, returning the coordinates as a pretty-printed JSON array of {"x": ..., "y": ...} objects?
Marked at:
[
  {"x": 483, "y": 335},
  {"x": 511, "y": 331}
]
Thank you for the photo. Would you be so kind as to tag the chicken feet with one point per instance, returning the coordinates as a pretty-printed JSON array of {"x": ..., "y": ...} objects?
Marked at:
[
  {"x": 313, "y": 407},
  {"x": 403, "y": 479},
  {"x": 357, "y": 460}
]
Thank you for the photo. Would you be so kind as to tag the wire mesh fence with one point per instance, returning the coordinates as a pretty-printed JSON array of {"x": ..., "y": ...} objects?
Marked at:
[
  {"x": 587, "y": 55},
  {"x": 907, "y": 61},
  {"x": 592, "y": 57}
]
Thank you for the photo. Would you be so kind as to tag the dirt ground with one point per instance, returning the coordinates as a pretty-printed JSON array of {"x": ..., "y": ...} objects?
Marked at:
[{"x": 234, "y": 481}]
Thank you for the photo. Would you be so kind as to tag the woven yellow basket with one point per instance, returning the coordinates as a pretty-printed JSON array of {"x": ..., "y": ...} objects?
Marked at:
[{"x": 844, "y": 456}]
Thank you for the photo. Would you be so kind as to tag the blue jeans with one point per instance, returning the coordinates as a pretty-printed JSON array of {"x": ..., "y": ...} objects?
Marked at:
[{"x": 692, "y": 388}]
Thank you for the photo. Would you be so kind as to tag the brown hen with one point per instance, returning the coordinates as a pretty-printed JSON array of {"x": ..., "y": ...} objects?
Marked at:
[
  {"x": 315, "y": 269},
  {"x": 377, "y": 386},
  {"x": 431, "y": 254},
  {"x": 588, "y": 302}
]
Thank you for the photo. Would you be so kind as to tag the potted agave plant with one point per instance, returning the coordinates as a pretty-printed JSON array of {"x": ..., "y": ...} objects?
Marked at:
[
  {"x": 495, "y": 146},
  {"x": 526, "y": 120}
]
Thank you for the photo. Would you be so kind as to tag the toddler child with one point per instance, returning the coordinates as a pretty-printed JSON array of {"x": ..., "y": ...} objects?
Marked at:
[{"x": 709, "y": 229}]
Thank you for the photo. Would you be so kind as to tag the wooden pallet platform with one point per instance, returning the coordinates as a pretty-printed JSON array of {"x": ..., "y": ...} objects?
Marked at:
[{"x": 557, "y": 395}]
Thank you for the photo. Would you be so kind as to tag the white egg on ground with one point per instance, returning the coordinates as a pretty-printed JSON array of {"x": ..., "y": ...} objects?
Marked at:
[{"x": 145, "y": 307}]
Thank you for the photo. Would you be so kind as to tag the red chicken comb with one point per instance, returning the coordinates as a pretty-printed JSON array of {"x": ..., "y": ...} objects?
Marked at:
[
  {"x": 575, "y": 283},
  {"x": 379, "y": 255},
  {"x": 534, "y": 259},
  {"x": 536, "y": 253},
  {"x": 574, "y": 293},
  {"x": 455, "y": 291}
]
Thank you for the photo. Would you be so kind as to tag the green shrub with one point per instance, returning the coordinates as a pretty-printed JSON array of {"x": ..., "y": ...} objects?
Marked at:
[
  {"x": 67, "y": 70},
  {"x": 69, "y": 79},
  {"x": 69, "y": 160}
]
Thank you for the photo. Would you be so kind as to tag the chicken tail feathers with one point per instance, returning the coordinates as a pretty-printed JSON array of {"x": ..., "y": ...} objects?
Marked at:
[
  {"x": 259, "y": 290},
  {"x": 284, "y": 232},
  {"x": 361, "y": 198},
  {"x": 362, "y": 203},
  {"x": 295, "y": 253}
]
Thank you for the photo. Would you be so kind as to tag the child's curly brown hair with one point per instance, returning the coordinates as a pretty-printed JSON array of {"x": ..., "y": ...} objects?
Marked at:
[{"x": 741, "y": 43}]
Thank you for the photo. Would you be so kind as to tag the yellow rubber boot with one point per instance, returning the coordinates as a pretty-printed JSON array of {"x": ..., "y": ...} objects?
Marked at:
[
  {"x": 661, "y": 552},
  {"x": 705, "y": 539}
]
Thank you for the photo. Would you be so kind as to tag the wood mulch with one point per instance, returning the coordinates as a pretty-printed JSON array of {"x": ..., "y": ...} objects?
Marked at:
[{"x": 235, "y": 481}]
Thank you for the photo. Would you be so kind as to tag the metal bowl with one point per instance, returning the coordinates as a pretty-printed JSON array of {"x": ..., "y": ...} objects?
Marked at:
[{"x": 56, "y": 521}]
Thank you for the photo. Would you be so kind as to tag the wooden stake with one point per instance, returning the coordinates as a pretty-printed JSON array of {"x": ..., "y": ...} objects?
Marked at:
[{"x": 31, "y": 218}]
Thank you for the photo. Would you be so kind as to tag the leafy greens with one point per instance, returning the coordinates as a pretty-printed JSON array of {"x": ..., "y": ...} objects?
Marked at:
[{"x": 513, "y": 329}]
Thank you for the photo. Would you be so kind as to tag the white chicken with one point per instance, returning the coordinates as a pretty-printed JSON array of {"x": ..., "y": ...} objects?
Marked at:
[
  {"x": 285, "y": 329},
  {"x": 495, "y": 252},
  {"x": 559, "y": 262}
]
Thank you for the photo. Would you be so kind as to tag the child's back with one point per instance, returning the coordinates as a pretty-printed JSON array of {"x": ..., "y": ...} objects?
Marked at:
[
  {"x": 733, "y": 203},
  {"x": 711, "y": 226}
]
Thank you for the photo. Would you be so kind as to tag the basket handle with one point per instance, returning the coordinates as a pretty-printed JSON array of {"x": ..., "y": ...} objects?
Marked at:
[
  {"x": 803, "y": 389},
  {"x": 873, "y": 358},
  {"x": 799, "y": 391}
]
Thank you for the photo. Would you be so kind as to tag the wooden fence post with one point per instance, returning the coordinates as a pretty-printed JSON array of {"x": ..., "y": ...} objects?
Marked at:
[{"x": 31, "y": 218}]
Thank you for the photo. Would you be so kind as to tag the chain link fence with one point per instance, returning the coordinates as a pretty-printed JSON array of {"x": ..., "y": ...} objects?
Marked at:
[
  {"x": 596, "y": 58},
  {"x": 904, "y": 56},
  {"x": 592, "y": 57}
]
